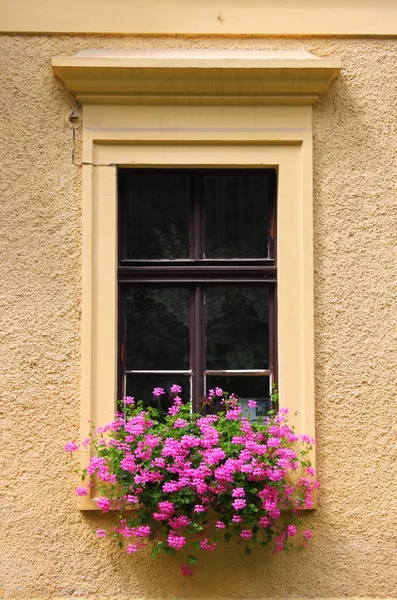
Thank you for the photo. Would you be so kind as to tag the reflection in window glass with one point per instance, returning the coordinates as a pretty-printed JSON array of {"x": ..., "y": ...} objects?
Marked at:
[
  {"x": 246, "y": 388},
  {"x": 157, "y": 217},
  {"x": 157, "y": 328},
  {"x": 236, "y": 216},
  {"x": 237, "y": 327}
]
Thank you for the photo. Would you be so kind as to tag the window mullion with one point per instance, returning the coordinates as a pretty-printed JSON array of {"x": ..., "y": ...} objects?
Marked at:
[{"x": 197, "y": 345}]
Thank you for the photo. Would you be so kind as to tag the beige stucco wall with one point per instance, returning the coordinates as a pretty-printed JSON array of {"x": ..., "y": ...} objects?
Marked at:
[{"x": 48, "y": 547}]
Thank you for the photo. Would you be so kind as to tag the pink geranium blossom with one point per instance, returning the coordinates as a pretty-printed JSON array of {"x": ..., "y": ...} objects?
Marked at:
[
  {"x": 186, "y": 571},
  {"x": 103, "y": 503},
  {"x": 158, "y": 391},
  {"x": 166, "y": 476},
  {"x": 176, "y": 541},
  {"x": 71, "y": 447},
  {"x": 101, "y": 533},
  {"x": 239, "y": 503}
]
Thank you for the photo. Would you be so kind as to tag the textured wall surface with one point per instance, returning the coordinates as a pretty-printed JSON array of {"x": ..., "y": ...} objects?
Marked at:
[{"x": 48, "y": 547}]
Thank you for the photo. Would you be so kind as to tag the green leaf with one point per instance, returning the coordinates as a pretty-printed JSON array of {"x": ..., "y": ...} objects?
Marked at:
[
  {"x": 227, "y": 536},
  {"x": 247, "y": 550},
  {"x": 196, "y": 545},
  {"x": 157, "y": 549},
  {"x": 191, "y": 559}
]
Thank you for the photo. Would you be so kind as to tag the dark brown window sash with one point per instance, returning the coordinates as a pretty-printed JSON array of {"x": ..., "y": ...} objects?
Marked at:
[{"x": 197, "y": 273}]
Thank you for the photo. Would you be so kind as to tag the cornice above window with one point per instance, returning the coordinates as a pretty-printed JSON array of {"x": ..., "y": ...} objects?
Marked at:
[{"x": 196, "y": 77}]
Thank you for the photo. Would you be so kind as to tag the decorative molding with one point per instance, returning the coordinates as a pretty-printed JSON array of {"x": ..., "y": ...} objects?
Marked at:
[{"x": 203, "y": 77}]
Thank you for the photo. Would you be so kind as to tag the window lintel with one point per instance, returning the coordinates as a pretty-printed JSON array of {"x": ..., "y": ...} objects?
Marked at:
[{"x": 200, "y": 77}]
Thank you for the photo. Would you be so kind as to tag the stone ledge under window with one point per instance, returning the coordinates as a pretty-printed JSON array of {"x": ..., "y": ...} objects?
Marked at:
[{"x": 199, "y": 77}]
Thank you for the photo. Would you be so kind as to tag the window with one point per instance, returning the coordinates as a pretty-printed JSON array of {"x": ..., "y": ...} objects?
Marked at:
[
  {"x": 244, "y": 112},
  {"x": 197, "y": 282}
]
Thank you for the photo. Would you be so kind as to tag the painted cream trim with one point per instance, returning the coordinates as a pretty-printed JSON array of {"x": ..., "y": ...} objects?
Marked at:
[
  {"x": 226, "y": 17},
  {"x": 105, "y": 148},
  {"x": 196, "y": 77},
  {"x": 196, "y": 135}
]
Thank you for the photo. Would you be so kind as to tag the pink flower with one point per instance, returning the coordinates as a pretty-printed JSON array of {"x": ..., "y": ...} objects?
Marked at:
[
  {"x": 199, "y": 508},
  {"x": 236, "y": 519},
  {"x": 214, "y": 455},
  {"x": 132, "y": 548},
  {"x": 234, "y": 414},
  {"x": 239, "y": 504},
  {"x": 167, "y": 508},
  {"x": 86, "y": 442},
  {"x": 103, "y": 503},
  {"x": 180, "y": 423},
  {"x": 186, "y": 571},
  {"x": 71, "y": 447},
  {"x": 179, "y": 522},
  {"x": 158, "y": 391},
  {"x": 246, "y": 534},
  {"x": 101, "y": 533},
  {"x": 175, "y": 389},
  {"x": 291, "y": 530},
  {"x": 128, "y": 400},
  {"x": 142, "y": 531},
  {"x": 238, "y": 492},
  {"x": 81, "y": 491},
  {"x": 308, "y": 534},
  {"x": 252, "y": 403},
  {"x": 96, "y": 463},
  {"x": 220, "y": 525},
  {"x": 306, "y": 439},
  {"x": 176, "y": 407},
  {"x": 176, "y": 541},
  {"x": 205, "y": 545},
  {"x": 170, "y": 486}
]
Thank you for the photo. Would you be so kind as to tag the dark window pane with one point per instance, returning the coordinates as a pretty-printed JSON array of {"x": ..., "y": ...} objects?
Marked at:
[
  {"x": 246, "y": 388},
  {"x": 141, "y": 388},
  {"x": 236, "y": 216},
  {"x": 237, "y": 327},
  {"x": 157, "y": 215},
  {"x": 157, "y": 328}
]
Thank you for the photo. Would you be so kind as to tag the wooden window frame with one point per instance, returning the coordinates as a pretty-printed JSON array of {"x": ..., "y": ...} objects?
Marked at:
[{"x": 196, "y": 272}]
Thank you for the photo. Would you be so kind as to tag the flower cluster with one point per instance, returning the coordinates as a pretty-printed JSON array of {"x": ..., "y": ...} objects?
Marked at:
[{"x": 183, "y": 481}]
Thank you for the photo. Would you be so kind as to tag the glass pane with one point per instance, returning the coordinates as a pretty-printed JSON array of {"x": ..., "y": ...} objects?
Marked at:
[
  {"x": 246, "y": 388},
  {"x": 237, "y": 327},
  {"x": 157, "y": 216},
  {"x": 236, "y": 216},
  {"x": 157, "y": 328},
  {"x": 141, "y": 388}
]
